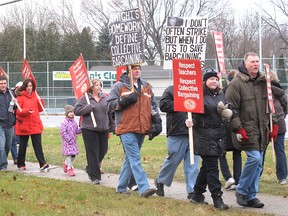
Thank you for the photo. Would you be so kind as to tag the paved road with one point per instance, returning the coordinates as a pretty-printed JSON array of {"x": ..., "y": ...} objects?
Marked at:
[{"x": 277, "y": 205}]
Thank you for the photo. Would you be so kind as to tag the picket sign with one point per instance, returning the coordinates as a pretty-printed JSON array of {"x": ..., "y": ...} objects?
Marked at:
[{"x": 270, "y": 104}]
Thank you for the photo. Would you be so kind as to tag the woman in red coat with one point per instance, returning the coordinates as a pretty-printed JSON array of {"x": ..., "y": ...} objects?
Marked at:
[{"x": 29, "y": 124}]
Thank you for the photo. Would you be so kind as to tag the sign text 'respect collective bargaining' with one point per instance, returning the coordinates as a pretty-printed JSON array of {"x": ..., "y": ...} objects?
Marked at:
[{"x": 188, "y": 89}]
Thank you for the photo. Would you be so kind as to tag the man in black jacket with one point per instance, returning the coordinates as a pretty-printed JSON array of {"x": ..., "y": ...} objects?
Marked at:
[
  {"x": 178, "y": 147},
  {"x": 7, "y": 121}
]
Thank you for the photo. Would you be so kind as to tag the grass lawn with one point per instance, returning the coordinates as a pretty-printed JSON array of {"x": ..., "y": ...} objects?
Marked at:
[{"x": 26, "y": 195}]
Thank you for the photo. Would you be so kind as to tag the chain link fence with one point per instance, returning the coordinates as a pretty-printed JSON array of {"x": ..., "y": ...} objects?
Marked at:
[{"x": 58, "y": 92}]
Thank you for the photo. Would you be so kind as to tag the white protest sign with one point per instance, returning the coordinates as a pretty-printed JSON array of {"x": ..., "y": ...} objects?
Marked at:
[
  {"x": 125, "y": 38},
  {"x": 185, "y": 38}
]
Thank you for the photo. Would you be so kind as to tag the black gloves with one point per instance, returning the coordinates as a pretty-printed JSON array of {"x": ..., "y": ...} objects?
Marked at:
[
  {"x": 128, "y": 100},
  {"x": 156, "y": 127}
]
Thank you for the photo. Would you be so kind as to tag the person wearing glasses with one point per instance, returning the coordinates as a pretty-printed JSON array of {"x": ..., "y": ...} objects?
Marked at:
[
  {"x": 209, "y": 139},
  {"x": 248, "y": 99}
]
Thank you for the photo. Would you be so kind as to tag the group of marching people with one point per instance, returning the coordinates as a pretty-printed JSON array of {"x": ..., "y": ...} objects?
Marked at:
[
  {"x": 239, "y": 114},
  {"x": 20, "y": 116}
]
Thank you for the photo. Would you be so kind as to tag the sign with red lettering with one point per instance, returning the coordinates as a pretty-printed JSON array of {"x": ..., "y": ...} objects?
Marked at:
[
  {"x": 80, "y": 77},
  {"x": 188, "y": 87}
]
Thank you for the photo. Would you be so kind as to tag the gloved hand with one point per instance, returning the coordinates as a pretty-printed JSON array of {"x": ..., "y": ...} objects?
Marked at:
[
  {"x": 241, "y": 135},
  {"x": 223, "y": 111},
  {"x": 125, "y": 101},
  {"x": 274, "y": 133},
  {"x": 156, "y": 127}
]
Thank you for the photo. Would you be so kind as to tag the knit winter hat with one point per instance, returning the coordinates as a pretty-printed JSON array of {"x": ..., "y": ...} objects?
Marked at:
[
  {"x": 210, "y": 72},
  {"x": 68, "y": 109}
]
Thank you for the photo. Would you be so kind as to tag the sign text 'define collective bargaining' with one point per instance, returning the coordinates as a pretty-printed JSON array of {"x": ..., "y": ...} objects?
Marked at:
[{"x": 126, "y": 40}]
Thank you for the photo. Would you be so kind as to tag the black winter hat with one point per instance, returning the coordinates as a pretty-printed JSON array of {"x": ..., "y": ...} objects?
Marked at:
[{"x": 210, "y": 72}]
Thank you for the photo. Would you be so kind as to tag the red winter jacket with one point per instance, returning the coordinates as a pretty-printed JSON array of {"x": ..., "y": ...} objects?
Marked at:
[{"x": 28, "y": 123}]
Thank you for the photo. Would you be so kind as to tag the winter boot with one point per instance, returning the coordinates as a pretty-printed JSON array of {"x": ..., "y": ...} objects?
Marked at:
[
  {"x": 218, "y": 202},
  {"x": 198, "y": 197},
  {"x": 159, "y": 188}
]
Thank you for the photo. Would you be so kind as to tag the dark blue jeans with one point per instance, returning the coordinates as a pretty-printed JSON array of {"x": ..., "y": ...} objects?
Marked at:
[
  {"x": 237, "y": 166},
  {"x": 281, "y": 159}
]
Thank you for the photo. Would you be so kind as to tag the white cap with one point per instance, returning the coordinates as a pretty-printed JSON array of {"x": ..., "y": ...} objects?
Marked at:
[{"x": 19, "y": 84}]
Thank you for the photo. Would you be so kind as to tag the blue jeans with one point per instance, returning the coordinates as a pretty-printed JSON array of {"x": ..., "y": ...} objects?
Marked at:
[
  {"x": 249, "y": 179},
  {"x": 281, "y": 159},
  {"x": 6, "y": 136},
  {"x": 132, "y": 143},
  {"x": 178, "y": 150}
]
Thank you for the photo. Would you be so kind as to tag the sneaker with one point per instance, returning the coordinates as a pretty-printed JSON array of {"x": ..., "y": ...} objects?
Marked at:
[
  {"x": 233, "y": 187},
  {"x": 159, "y": 188},
  {"x": 44, "y": 168},
  {"x": 71, "y": 172},
  {"x": 22, "y": 168},
  {"x": 282, "y": 181},
  {"x": 15, "y": 161},
  {"x": 229, "y": 183},
  {"x": 134, "y": 188},
  {"x": 65, "y": 167}
]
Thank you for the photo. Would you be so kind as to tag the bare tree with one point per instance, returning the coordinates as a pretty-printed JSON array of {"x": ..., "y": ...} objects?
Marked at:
[
  {"x": 277, "y": 20},
  {"x": 154, "y": 16}
]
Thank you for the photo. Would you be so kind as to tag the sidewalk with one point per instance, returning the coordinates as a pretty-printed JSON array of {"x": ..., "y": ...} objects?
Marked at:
[{"x": 277, "y": 205}]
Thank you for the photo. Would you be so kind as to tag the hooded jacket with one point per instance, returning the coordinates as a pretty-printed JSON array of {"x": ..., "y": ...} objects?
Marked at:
[
  {"x": 29, "y": 123},
  {"x": 136, "y": 117},
  {"x": 247, "y": 97},
  {"x": 280, "y": 105}
]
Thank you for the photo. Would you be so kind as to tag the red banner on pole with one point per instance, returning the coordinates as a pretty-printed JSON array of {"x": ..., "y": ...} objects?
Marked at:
[
  {"x": 79, "y": 77},
  {"x": 2, "y": 73},
  {"x": 119, "y": 71},
  {"x": 218, "y": 40},
  {"x": 27, "y": 73},
  {"x": 188, "y": 87},
  {"x": 269, "y": 90}
]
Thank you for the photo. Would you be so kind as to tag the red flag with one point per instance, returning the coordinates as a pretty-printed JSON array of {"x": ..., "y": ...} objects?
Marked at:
[
  {"x": 218, "y": 40},
  {"x": 27, "y": 73},
  {"x": 119, "y": 71},
  {"x": 79, "y": 77},
  {"x": 2, "y": 73}
]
